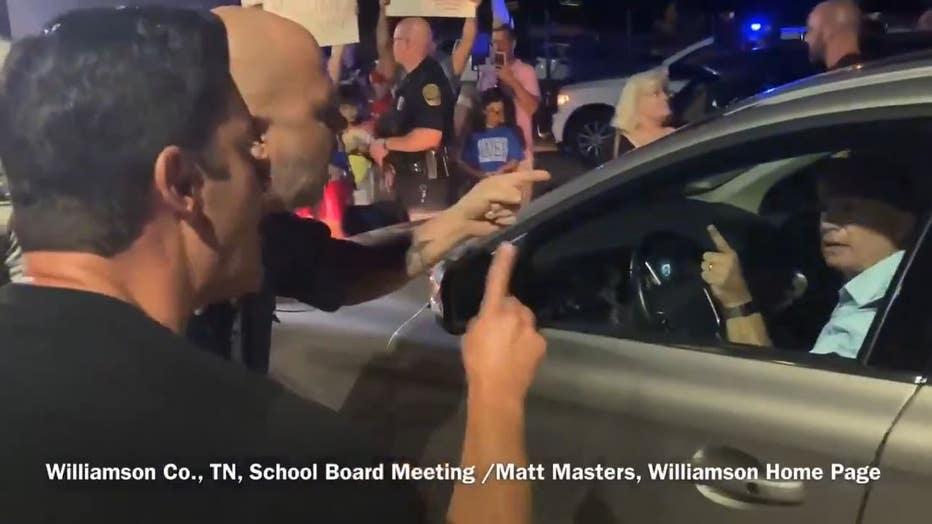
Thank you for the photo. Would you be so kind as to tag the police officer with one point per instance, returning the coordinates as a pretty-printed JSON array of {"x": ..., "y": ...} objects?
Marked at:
[{"x": 414, "y": 156}]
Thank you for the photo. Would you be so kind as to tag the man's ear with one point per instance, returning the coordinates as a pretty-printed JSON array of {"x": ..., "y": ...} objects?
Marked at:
[{"x": 178, "y": 181}]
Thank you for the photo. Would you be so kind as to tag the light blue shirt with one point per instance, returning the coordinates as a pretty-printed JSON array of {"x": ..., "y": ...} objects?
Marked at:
[{"x": 857, "y": 304}]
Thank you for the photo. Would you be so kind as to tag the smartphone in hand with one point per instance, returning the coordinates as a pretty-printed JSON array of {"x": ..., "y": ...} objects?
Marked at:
[{"x": 500, "y": 59}]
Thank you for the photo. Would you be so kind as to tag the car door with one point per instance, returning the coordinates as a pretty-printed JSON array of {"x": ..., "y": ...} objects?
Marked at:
[
  {"x": 905, "y": 458},
  {"x": 603, "y": 404}
]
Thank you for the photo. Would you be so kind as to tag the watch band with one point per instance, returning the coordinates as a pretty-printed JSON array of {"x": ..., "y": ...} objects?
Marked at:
[{"x": 744, "y": 310}]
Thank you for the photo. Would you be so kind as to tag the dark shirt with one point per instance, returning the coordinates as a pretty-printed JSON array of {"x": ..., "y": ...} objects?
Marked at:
[
  {"x": 90, "y": 379},
  {"x": 624, "y": 145},
  {"x": 847, "y": 61},
  {"x": 302, "y": 261}
]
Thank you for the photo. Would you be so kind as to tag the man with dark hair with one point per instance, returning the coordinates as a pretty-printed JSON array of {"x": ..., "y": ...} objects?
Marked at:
[{"x": 137, "y": 196}]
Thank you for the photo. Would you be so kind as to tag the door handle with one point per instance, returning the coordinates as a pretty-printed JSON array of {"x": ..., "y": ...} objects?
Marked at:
[
  {"x": 759, "y": 491},
  {"x": 745, "y": 489}
]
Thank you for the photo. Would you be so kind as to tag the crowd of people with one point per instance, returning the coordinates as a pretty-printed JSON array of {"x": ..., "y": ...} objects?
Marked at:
[{"x": 411, "y": 121}]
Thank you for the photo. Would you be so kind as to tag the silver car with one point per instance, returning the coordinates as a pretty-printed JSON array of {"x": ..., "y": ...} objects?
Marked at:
[{"x": 639, "y": 384}]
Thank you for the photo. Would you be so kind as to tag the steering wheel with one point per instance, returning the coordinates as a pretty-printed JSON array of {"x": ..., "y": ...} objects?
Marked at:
[{"x": 668, "y": 291}]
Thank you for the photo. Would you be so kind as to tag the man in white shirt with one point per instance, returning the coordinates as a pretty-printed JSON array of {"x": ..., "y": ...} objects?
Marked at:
[{"x": 870, "y": 207}]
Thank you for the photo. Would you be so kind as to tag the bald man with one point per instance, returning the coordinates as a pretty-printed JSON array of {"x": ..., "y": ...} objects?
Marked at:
[
  {"x": 833, "y": 32},
  {"x": 279, "y": 69},
  {"x": 422, "y": 124},
  {"x": 280, "y": 72}
]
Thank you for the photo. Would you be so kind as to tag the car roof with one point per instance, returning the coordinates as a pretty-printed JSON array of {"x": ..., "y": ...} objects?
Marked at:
[
  {"x": 899, "y": 81},
  {"x": 783, "y": 50},
  {"x": 880, "y": 72}
]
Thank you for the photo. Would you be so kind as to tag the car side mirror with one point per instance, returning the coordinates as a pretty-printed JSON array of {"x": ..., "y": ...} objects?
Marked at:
[{"x": 457, "y": 288}]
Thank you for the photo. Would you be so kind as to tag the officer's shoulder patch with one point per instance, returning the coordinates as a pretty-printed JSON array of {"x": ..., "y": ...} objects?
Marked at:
[{"x": 432, "y": 94}]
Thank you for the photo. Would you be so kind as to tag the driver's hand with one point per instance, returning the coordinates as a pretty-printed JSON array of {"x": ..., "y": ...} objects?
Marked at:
[{"x": 721, "y": 270}]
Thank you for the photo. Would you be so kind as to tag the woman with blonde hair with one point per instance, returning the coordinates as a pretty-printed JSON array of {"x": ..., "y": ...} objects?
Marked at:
[{"x": 643, "y": 111}]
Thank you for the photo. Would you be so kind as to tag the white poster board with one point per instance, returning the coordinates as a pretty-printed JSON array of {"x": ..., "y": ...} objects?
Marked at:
[
  {"x": 332, "y": 22},
  {"x": 432, "y": 8}
]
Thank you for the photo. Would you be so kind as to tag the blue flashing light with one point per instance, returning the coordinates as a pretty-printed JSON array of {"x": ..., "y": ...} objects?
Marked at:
[{"x": 756, "y": 26}]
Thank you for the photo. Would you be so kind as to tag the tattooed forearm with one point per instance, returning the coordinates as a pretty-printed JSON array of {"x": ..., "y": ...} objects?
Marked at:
[
  {"x": 385, "y": 260},
  {"x": 387, "y": 234}
]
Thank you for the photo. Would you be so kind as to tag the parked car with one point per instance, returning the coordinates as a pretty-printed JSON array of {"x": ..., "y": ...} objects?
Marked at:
[
  {"x": 638, "y": 373},
  {"x": 582, "y": 123}
]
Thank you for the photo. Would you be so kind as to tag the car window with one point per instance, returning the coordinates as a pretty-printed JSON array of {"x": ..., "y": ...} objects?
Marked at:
[
  {"x": 806, "y": 243},
  {"x": 739, "y": 75},
  {"x": 908, "y": 317}
]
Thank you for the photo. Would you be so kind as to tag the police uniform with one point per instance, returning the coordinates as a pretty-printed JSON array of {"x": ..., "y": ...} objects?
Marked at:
[{"x": 423, "y": 99}]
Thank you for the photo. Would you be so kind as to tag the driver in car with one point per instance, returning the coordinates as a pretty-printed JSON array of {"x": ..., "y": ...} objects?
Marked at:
[{"x": 870, "y": 206}]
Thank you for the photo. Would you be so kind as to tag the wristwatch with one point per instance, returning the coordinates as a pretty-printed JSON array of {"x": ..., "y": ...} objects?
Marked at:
[{"x": 744, "y": 310}]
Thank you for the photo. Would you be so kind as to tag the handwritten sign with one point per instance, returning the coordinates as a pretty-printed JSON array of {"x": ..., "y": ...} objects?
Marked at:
[
  {"x": 332, "y": 22},
  {"x": 432, "y": 8}
]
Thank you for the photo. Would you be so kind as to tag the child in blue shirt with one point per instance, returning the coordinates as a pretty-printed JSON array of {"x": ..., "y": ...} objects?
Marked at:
[{"x": 495, "y": 146}]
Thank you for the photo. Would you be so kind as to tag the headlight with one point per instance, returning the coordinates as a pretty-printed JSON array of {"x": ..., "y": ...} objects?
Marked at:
[{"x": 563, "y": 99}]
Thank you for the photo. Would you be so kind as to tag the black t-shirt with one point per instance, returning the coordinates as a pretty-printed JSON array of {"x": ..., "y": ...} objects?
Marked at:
[
  {"x": 87, "y": 379},
  {"x": 302, "y": 261}
]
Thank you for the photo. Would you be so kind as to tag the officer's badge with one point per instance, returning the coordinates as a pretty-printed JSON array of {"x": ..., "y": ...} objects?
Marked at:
[
  {"x": 401, "y": 103},
  {"x": 432, "y": 95}
]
